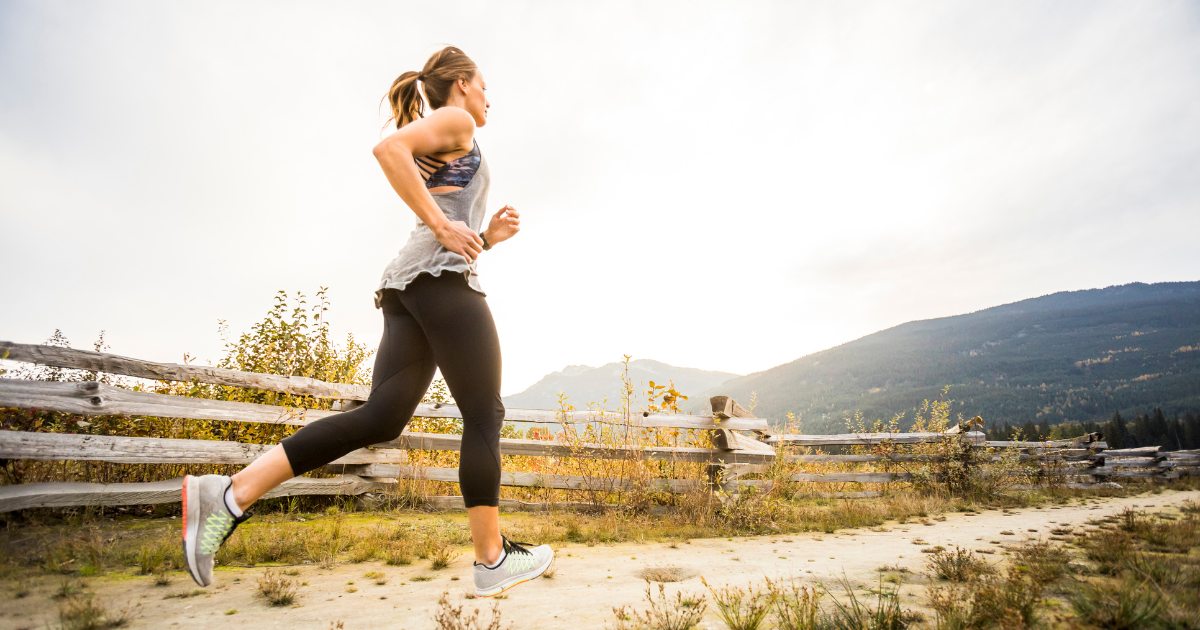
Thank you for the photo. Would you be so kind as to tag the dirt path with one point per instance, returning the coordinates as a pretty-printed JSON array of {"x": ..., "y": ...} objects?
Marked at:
[{"x": 588, "y": 583}]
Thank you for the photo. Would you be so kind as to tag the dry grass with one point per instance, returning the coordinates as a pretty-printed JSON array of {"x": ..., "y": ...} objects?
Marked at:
[
  {"x": 796, "y": 605},
  {"x": 771, "y": 604},
  {"x": 665, "y": 574},
  {"x": 742, "y": 609},
  {"x": 81, "y": 611},
  {"x": 158, "y": 556},
  {"x": 680, "y": 613},
  {"x": 981, "y": 596},
  {"x": 81, "y": 547},
  {"x": 851, "y": 612},
  {"x": 276, "y": 589},
  {"x": 1043, "y": 562},
  {"x": 1149, "y": 574},
  {"x": 441, "y": 554},
  {"x": 991, "y": 600},
  {"x": 449, "y": 617},
  {"x": 958, "y": 565},
  {"x": 377, "y": 576},
  {"x": 1135, "y": 570}
]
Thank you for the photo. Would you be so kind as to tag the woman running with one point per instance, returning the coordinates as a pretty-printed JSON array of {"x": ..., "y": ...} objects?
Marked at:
[{"x": 434, "y": 315}]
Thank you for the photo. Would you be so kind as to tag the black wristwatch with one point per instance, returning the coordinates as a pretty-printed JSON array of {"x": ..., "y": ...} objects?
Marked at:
[{"x": 486, "y": 245}]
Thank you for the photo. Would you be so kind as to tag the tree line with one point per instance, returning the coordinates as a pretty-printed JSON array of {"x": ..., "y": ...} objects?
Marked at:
[{"x": 1181, "y": 432}]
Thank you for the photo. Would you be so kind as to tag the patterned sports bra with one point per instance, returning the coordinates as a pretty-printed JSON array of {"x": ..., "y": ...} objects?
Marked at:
[{"x": 457, "y": 172}]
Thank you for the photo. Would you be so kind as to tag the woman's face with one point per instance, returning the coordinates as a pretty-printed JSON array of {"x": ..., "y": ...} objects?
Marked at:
[{"x": 476, "y": 99}]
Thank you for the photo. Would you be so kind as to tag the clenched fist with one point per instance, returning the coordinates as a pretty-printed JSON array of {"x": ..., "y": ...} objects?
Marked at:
[{"x": 504, "y": 224}]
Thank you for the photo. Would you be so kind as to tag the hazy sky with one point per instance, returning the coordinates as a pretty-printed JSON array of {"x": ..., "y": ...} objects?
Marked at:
[{"x": 719, "y": 185}]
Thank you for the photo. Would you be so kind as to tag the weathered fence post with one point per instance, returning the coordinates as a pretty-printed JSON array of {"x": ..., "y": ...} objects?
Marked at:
[
  {"x": 726, "y": 408},
  {"x": 963, "y": 448}
]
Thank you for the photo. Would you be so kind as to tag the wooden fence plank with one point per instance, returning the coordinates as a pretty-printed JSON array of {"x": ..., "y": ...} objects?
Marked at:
[
  {"x": 1114, "y": 471},
  {"x": 737, "y": 471},
  {"x": 728, "y": 440},
  {"x": 65, "y": 494},
  {"x": 514, "y": 446},
  {"x": 765, "y": 485},
  {"x": 1049, "y": 444},
  {"x": 1142, "y": 451},
  {"x": 456, "y": 503},
  {"x": 140, "y": 368},
  {"x": 557, "y": 482},
  {"x": 304, "y": 386},
  {"x": 93, "y": 398},
  {"x": 1131, "y": 461},
  {"x": 863, "y": 477},
  {"x": 841, "y": 459},
  {"x": 363, "y": 462},
  {"x": 851, "y": 439},
  {"x": 141, "y": 450}
]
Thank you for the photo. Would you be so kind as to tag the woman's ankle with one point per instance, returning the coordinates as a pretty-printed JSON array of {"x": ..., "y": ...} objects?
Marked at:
[
  {"x": 489, "y": 561},
  {"x": 241, "y": 495}
]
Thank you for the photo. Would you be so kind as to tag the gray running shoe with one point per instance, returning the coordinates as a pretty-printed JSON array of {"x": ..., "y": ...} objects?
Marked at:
[
  {"x": 207, "y": 522},
  {"x": 519, "y": 565}
]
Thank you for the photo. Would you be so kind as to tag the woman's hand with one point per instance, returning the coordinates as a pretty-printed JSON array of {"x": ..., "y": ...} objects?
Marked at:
[
  {"x": 503, "y": 226},
  {"x": 459, "y": 238}
]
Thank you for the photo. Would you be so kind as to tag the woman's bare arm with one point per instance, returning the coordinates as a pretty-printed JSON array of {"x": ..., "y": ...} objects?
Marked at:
[{"x": 445, "y": 130}]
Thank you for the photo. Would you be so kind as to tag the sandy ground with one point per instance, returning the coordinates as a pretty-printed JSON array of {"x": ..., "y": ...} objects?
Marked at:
[{"x": 588, "y": 581}]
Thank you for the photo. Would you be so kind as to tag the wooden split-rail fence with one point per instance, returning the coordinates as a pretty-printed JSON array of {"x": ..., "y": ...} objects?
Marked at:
[{"x": 743, "y": 445}]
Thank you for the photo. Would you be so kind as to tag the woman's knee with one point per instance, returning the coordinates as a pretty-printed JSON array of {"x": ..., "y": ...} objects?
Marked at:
[
  {"x": 373, "y": 423},
  {"x": 391, "y": 428},
  {"x": 484, "y": 421}
]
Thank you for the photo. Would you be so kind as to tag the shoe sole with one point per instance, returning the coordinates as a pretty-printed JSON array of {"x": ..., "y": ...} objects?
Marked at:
[
  {"x": 504, "y": 587},
  {"x": 191, "y": 523}
]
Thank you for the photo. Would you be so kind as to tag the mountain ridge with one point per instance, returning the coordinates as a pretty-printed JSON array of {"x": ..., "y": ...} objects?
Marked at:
[{"x": 1071, "y": 355}]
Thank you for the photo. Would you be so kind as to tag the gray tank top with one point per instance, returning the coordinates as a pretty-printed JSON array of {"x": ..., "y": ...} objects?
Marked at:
[{"x": 423, "y": 253}]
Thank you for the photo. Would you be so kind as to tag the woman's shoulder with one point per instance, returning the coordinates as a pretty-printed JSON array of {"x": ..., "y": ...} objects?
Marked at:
[
  {"x": 454, "y": 121},
  {"x": 453, "y": 118}
]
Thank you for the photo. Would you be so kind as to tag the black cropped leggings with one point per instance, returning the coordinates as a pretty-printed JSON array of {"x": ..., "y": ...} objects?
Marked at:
[{"x": 435, "y": 321}]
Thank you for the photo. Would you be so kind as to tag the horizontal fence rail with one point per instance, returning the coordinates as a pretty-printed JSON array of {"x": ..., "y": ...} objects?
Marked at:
[
  {"x": 66, "y": 494},
  {"x": 94, "y": 398},
  {"x": 743, "y": 445},
  {"x": 139, "y": 368},
  {"x": 106, "y": 401}
]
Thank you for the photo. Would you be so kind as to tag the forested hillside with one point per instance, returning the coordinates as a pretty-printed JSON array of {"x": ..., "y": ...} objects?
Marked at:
[{"x": 1070, "y": 356}]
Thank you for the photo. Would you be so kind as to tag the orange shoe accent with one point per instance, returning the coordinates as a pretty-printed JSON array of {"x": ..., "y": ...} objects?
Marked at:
[{"x": 183, "y": 532}]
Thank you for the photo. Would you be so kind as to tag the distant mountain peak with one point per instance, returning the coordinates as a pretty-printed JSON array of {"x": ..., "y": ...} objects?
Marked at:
[
  {"x": 585, "y": 384},
  {"x": 575, "y": 369}
]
